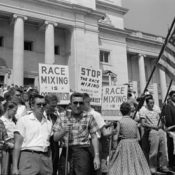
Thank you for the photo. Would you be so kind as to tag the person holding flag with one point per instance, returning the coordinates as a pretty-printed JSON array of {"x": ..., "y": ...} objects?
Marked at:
[
  {"x": 169, "y": 113},
  {"x": 149, "y": 115},
  {"x": 164, "y": 61}
]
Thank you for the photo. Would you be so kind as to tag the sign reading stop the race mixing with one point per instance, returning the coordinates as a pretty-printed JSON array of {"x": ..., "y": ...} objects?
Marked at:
[
  {"x": 112, "y": 98},
  {"x": 55, "y": 79},
  {"x": 90, "y": 81}
]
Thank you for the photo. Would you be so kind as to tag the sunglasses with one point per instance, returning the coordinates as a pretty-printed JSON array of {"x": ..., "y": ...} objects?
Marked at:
[
  {"x": 78, "y": 102},
  {"x": 41, "y": 104}
]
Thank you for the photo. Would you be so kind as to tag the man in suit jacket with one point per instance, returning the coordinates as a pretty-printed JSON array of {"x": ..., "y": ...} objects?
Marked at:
[{"x": 169, "y": 113}]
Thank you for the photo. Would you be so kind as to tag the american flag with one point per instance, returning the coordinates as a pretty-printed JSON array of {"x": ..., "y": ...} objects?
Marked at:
[{"x": 167, "y": 60}]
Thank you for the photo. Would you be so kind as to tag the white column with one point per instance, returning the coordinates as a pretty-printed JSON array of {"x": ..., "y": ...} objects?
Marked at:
[
  {"x": 163, "y": 84},
  {"x": 142, "y": 76},
  {"x": 18, "y": 50},
  {"x": 49, "y": 43}
]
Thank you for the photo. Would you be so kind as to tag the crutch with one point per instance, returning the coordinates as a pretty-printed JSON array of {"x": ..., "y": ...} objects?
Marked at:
[
  {"x": 67, "y": 150},
  {"x": 110, "y": 148},
  {"x": 68, "y": 113}
]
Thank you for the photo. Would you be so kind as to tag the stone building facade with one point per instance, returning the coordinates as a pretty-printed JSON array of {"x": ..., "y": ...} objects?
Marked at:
[{"x": 75, "y": 32}]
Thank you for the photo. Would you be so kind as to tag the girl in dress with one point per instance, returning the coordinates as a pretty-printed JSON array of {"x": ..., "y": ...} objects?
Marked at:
[{"x": 127, "y": 157}]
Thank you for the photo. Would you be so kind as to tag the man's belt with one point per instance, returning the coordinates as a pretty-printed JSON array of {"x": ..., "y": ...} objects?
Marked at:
[{"x": 33, "y": 151}]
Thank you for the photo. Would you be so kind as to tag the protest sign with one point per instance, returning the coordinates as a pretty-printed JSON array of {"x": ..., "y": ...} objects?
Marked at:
[
  {"x": 112, "y": 98},
  {"x": 90, "y": 81},
  {"x": 55, "y": 79}
]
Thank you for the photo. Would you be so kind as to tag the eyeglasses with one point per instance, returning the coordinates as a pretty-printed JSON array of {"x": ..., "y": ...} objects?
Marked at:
[
  {"x": 41, "y": 104},
  {"x": 78, "y": 102}
]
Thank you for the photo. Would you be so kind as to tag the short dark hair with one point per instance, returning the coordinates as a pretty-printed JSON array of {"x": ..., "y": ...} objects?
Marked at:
[
  {"x": 36, "y": 96},
  {"x": 51, "y": 97},
  {"x": 149, "y": 97},
  {"x": 125, "y": 108},
  {"x": 86, "y": 95},
  {"x": 171, "y": 93},
  {"x": 76, "y": 94},
  {"x": 10, "y": 104}
]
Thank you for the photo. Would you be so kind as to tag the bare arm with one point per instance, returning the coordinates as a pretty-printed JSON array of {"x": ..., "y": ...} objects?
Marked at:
[
  {"x": 171, "y": 127},
  {"x": 144, "y": 124},
  {"x": 95, "y": 144},
  {"x": 138, "y": 134},
  {"x": 16, "y": 152}
]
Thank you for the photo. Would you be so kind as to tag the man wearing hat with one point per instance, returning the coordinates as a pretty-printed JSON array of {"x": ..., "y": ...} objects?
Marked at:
[{"x": 169, "y": 113}]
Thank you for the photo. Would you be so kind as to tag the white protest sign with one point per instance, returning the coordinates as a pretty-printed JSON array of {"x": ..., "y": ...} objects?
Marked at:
[
  {"x": 90, "y": 81},
  {"x": 55, "y": 79},
  {"x": 112, "y": 98}
]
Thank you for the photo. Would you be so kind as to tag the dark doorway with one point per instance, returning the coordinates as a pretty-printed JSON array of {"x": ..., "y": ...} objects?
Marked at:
[
  {"x": 29, "y": 82},
  {"x": 1, "y": 80}
]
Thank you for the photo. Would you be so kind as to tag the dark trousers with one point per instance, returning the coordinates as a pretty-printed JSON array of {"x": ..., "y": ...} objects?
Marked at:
[
  {"x": 145, "y": 144},
  {"x": 55, "y": 155},
  {"x": 7, "y": 161},
  {"x": 171, "y": 156},
  {"x": 79, "y": 161}
]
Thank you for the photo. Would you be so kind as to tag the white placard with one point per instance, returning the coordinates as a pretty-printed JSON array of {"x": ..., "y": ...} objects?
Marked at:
[
  {"x": 55, "y": 79},
  {"x": 112, "y": 98},
  {"x": 90, "y": 81}
]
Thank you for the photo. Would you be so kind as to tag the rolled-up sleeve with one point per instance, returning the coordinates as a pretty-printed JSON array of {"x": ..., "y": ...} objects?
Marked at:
[{"x": 93, "y": 127}]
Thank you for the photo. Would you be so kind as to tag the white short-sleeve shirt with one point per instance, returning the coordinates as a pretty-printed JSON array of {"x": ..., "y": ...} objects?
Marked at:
[{"x": 35, "y": 134}]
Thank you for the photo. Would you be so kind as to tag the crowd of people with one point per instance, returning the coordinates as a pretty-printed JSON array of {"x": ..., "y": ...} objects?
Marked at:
[{"x": 38, "y": 136}]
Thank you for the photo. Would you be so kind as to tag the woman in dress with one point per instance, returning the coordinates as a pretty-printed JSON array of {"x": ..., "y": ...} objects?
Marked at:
[{"x": 127, "y": 157}]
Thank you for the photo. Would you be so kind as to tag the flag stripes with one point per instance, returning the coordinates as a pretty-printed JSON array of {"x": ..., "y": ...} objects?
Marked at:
[{"x": 167, "y": 59}]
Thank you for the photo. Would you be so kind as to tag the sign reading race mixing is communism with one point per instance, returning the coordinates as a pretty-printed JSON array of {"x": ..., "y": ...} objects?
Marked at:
[
  {"x": 90, "y": 81},
  {"x": 54, "y": 79},
  {"x": 112, "y": 98}
]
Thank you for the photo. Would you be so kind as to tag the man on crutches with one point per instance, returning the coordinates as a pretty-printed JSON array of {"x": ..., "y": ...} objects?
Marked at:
[{"x": 83, "y": 124}]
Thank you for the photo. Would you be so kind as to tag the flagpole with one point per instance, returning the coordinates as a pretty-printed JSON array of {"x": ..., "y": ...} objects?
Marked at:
[
  {"x": 168, "y": 91},
  {"x": 160, "y": 54},
  {"x": 154, "y": 68}
]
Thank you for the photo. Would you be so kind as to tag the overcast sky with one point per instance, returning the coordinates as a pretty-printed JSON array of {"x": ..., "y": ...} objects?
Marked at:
[{"x": 151, "y": 16}]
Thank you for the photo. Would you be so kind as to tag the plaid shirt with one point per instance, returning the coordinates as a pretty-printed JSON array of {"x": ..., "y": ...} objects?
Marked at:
[{"x": 80, "y": 130}]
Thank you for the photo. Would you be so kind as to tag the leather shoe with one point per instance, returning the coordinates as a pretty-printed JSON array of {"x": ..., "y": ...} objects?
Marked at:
[{"x": 164, "y": 169}]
